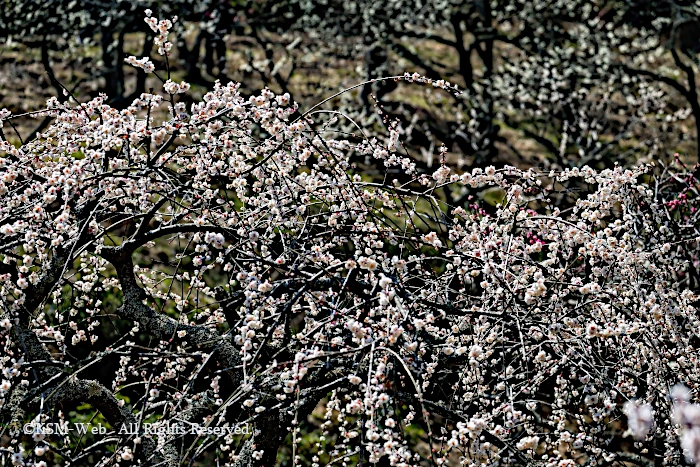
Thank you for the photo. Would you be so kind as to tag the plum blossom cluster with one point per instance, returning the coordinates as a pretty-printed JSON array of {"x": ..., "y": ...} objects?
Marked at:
[
  {"x": 162, "y": 28},
  {"x": 144, "y": 63}
]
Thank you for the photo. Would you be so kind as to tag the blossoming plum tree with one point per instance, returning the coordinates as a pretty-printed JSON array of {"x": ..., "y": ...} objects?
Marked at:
[{"x": 250, "y": 274}]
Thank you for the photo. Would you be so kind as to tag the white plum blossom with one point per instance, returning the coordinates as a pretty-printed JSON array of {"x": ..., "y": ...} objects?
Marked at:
[
  {"x": 144, "y": 63},
  {"x": 640, "y": 418}
]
